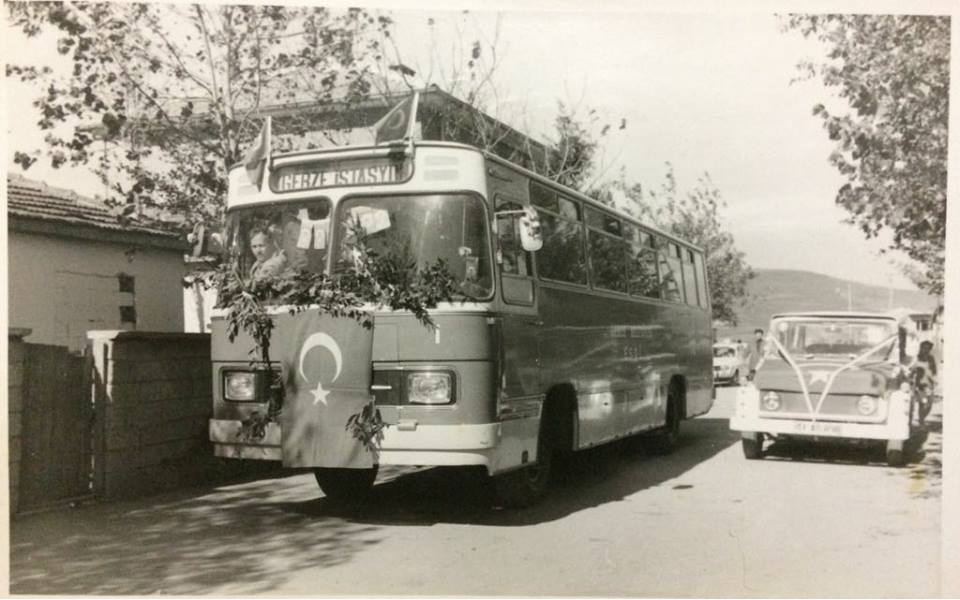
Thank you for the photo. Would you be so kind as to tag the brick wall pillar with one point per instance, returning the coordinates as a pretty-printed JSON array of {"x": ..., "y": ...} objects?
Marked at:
[{"x": 15, "y": 358}]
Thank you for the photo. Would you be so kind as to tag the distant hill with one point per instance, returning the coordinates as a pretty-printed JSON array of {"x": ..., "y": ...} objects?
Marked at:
[{"x": 780, "y": 290}]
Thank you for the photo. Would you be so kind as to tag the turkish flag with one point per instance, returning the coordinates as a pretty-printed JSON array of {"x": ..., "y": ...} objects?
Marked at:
[
  {"x": 327, "y": 375},
  {"x": 254, "y": 161},
  {"x": 398, "y": 123}
]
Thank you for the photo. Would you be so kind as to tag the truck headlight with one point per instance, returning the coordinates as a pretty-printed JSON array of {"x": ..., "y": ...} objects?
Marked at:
[
  {"x": 867, "y": 405},
  {"x": 771, "y": 400},
  {"x": 429, "y": 388},
  {"x": 240, "y": 385}
]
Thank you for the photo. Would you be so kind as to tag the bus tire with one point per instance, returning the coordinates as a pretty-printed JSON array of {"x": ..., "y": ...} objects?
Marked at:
[
  {"x": 346, "y": 485},
  {"x": 526, "y": 486},
  {"x": 895, "y": 456},
  {"x": 752, "y": 446},
  {"x": 664, "y": 440}
]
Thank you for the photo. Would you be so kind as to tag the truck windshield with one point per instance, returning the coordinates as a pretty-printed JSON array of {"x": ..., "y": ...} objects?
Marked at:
[
  {"x": 833, "y": 337},
  {"x": 423, "y": 228},
  {"x": 273, "y": 238}
]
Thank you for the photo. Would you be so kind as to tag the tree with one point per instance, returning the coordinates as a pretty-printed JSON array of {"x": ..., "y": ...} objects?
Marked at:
[
  {"x": 695, "y": 217},
  {"x": 893, "y": 72},
  {"x": 176, "y": 92}
]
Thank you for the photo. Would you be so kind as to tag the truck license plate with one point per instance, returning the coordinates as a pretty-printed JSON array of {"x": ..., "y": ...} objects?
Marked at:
[{"x": 818, "y": 428}]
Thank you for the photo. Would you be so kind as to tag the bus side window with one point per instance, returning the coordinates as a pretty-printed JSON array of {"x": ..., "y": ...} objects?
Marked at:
[
  {"x": 516, "y": 264},
  {"x": 562, "y": 256},
  {"x": 608, "y": 252},
  {"x": 702, "y": 299},
  {"x": 689, "y": 277},
  {"x": 668, "y": 255},
  {"x": 642, "y": 267},
  {"x": 515, "y": 260}
]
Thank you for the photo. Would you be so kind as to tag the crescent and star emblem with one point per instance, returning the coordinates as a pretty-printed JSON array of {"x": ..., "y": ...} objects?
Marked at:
[{"x": 321, "y": 340}]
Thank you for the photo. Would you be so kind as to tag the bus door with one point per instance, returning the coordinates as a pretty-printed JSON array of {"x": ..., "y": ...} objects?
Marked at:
[{"x": 520, "y": 321}]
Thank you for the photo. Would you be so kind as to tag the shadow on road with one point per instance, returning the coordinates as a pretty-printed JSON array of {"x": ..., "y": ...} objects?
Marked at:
[
  {"x": 593, "y": 477},
  {"x": 180, "y": 543},
  {"x": 251, "y": 536}
]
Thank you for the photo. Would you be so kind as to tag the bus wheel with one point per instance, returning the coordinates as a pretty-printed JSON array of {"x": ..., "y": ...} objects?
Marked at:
[
  {"x": 664, "y": 440},
  {"x": 526, "y": 486},
  {"x": 346, "y": 485},
  {"x": 752, "y": 446},
  {"x": 895, "y": 457}
]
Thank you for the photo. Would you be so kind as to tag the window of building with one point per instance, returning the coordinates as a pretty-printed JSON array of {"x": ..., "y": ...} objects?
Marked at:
[{"x": 126, "y": 283}]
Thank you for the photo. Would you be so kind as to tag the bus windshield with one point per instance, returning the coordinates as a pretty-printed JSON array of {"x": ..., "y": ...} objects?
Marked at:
[
  {"x": 832, "y": 337},
  {"x": 272, "y": 238},
  {"x": 423, "y": 228}
]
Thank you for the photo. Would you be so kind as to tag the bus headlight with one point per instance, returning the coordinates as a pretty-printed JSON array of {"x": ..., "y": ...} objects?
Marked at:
[
  {"x": 429, "y": 388},
  {"x": 771, "y": 401},
  {"x": 867, "y": 405},
  {"x": 240, "y": 385}
]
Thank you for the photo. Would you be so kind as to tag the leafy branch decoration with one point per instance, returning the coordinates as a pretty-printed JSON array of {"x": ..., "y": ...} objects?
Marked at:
[{"x": 390, "y": 280}]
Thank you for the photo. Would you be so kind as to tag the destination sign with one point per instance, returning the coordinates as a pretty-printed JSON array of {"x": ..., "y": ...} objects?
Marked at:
[{"x": 318, "y": 175}]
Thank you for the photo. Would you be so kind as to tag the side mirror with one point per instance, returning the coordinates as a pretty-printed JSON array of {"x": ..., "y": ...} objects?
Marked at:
[
  {"x": 531, "y": 234},
  {"x": 204, "y": 242}
]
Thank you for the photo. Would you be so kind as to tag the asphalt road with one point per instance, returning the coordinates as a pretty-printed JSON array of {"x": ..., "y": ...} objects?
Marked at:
[{"x": 702, "y": 522}]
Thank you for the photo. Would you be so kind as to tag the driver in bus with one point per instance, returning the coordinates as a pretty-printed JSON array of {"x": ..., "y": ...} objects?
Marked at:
[{"x": 268, "y": 259}]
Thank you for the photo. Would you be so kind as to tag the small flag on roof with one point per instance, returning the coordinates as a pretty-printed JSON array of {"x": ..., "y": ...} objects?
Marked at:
[
  {"x": 399, "y": 122},
  {"x": 255, "y": 160}
]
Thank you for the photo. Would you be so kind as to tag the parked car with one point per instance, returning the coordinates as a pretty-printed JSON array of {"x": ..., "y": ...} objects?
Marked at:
[
  {"x": 830, "y": 376},
  {"x": 730, "y": 363}
]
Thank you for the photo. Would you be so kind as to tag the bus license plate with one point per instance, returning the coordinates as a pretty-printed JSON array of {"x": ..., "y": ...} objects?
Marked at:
[{"x": 818, "y": 428}]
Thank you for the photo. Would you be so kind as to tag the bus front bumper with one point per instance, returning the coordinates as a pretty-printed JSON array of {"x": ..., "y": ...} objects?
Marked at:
[{"x": 408, "y": 443}]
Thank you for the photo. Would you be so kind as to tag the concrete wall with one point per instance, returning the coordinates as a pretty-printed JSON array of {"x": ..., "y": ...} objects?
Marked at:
[
  {"x": 15, "y": 412},
  {"x": 153, "y": 399},
  {"x": 63, "y": 287}
]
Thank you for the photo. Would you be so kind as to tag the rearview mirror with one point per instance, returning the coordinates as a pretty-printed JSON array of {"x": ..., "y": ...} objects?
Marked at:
[{"x": 531, "y": 234}]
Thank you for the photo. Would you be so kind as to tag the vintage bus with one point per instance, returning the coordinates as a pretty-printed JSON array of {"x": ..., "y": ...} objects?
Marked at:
[{"x": 604, "y": 332}]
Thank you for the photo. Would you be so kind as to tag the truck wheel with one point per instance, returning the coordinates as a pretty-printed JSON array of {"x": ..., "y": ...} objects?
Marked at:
[
  {"x": 752, "y": 446},
  {"x": 895, "y": 457},
  {"x": 346, "y": 485}
]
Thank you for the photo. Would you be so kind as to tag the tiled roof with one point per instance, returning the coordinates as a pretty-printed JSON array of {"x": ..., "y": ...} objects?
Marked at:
[{"x": 31, "y": 199}]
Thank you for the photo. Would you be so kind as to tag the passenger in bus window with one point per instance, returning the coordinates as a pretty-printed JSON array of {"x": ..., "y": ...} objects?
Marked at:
[
  {"x": 290, "y": 237},
  {"x": 268, "y": 260}
]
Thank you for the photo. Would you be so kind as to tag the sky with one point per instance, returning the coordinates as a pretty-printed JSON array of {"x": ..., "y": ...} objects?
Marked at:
[{"x": 708, "y": 92}]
